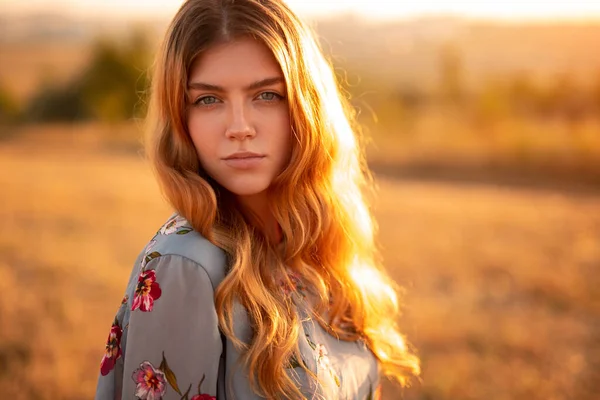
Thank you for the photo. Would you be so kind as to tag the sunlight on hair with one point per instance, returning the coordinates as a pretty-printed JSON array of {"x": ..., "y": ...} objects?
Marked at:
[
  {"x": 371, "y": 281},
  {"x": 363, "y": 218},
  {"x": 397, "y": 339},
  {"x": 344, "y": 131},
  {"x": 324, "y": 79},
  {"x": 320, "y": 201}
]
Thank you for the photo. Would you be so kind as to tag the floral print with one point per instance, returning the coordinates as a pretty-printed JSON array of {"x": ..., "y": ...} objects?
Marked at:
[
  {"x": 200, "y": 395},
  {"x": 203, "y": 397},
  {"x": 113, "y": 349},
  {"x": 135, "y": 372},
  {"x": 149, "y": 255},
  {"x": 149, "y": 246},
  {"x": 150, "y": 382},
  {"x": 322, "y": 358},
  {"x": 173, "y": 225},
  {"x": 146, "y": 292},
  {"x": 294, "y": 285}
]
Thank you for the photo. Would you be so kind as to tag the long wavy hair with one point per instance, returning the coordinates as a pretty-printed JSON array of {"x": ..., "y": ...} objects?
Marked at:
[{"x": 319, "y": 200}]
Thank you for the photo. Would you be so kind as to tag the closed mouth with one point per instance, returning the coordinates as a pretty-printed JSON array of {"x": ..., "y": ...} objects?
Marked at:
[{"x": 243, "y": 156}]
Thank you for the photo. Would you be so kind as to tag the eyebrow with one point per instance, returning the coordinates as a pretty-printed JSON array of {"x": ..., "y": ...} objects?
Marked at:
[{"x": 253, "y": 86}]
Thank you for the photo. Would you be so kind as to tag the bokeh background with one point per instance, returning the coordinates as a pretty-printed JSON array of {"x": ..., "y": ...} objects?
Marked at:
[{"x": 485, "y": 126}]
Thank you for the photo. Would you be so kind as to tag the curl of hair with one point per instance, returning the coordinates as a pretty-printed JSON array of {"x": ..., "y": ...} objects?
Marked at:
[{"x": 319, "y": 200}]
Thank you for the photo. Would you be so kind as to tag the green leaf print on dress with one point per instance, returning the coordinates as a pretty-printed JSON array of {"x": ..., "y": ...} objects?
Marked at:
[{"x": 174, "y": 224}]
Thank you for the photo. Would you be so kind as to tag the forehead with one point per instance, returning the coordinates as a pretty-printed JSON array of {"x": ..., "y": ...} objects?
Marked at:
[{"x": 240, "y": 61}]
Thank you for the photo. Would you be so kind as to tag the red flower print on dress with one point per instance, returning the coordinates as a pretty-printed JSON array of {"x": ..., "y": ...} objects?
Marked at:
[
  {"x": 146, "y": 292},
  {"x": 113, "y": 349},
  {"x": 150, "y": 382}
]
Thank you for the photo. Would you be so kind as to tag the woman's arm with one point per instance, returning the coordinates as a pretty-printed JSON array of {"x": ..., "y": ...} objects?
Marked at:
[{"x": 173, "y": 341}]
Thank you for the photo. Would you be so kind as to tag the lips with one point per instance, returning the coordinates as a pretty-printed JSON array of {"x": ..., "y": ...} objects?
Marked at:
[
  {"x": 244, "y": 160},
  {"x": 243, "y": 155}
]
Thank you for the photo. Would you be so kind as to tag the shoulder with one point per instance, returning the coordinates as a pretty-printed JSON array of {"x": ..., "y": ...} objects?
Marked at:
[{"x": 177, "y": 237}]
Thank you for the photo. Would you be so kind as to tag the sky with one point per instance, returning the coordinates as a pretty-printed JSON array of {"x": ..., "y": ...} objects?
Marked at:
[{"x": 379, "y": 9}]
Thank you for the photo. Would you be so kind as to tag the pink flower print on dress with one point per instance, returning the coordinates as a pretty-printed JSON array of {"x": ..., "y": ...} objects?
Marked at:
[
  {"x": 146, "y": 292},
  {"x": 113, "y": 349},
  {"x": 150, "y": 382}
]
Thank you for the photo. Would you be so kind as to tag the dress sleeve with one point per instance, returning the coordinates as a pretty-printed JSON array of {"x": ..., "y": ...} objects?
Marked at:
[{"x": 173, "y": 340}]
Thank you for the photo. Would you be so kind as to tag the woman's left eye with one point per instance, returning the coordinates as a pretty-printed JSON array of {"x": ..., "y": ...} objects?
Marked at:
[{"x": 269, "y": 96}]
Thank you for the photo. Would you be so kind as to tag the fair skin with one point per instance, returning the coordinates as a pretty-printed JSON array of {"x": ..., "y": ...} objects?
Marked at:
[{"x": 238, "y": 120}]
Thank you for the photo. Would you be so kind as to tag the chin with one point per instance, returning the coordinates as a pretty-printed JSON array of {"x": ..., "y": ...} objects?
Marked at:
[{"x": 246, "y": 189}]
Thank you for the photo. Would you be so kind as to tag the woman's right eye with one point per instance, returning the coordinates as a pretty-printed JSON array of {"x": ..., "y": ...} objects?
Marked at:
[{"x": 206, "y": 101}]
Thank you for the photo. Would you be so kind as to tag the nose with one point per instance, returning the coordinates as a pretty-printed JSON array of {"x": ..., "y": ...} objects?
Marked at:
[{"x": 239, "y": 126}]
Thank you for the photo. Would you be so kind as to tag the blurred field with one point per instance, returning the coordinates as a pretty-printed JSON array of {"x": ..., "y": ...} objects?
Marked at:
[
  {"x": 437, "y": 105},
  {"x": 501, "y": 298}
]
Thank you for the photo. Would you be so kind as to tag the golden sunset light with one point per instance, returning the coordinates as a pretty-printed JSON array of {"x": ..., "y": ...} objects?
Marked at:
[
  {"x": 386, "y": 9},
  {"x": 432, "y": 166}
]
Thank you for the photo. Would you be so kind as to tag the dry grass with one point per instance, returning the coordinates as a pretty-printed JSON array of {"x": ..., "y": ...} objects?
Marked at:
[
  {"x": 442, "y": 141},
  {"x": 501, "y": 284}
]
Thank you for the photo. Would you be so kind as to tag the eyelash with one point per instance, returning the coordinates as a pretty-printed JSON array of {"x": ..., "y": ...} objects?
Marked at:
[{"x": 198, "y": 102}]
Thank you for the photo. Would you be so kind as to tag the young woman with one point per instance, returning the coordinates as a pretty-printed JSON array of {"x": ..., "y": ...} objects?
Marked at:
[{"x": 264, "y": 283}]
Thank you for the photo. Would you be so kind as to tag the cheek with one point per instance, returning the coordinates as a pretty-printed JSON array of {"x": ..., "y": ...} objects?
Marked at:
[{"x": 202, "y": 132}]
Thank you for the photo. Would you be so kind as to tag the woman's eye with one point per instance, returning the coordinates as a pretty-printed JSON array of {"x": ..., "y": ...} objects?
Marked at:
[
  {"x": 206, "y": 100},
  {"x": 269, "y": 96}
]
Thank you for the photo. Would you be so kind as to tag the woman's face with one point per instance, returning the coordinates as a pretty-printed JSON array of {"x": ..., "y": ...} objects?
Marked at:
[{"x": 238, "y": 116}]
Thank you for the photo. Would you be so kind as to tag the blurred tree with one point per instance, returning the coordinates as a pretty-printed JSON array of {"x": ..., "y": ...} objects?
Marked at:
[
  {"x": 524, "y": 94},
  {"x": 411, "y": 97},
  {"x": 9, "y": 109},
  {"x": 108, "y": 89},
  {"x": 451, "y": 72},
  {"x": 569, "y": 96},
  {"x": 52, "y": 104},
  {"x": 109, "y": 85},
  {"x": 492, "y": 102},
  {"x": 563, "y": 99}
]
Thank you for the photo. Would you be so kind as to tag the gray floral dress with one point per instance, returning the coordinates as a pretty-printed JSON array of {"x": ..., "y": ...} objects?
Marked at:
[{"x": 164, "y": 342}]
